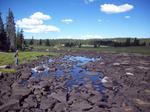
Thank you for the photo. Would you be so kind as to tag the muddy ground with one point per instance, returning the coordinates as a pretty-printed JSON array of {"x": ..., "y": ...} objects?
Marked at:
[{"x": 125, "y": 78}]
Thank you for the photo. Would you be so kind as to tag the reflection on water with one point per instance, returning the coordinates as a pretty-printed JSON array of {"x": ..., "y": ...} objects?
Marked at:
[{"x": 72, "y": 66}]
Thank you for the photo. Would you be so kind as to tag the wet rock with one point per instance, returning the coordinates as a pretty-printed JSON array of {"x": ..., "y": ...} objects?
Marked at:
[{"x": 53, "y": 69}]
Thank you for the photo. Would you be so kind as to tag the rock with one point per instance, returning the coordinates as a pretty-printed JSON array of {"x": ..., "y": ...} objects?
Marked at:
[
  {"x": 31, "y": 101},
  {"x": 116, "y": 64},
  {"x": 60, "y": 107},
  {"x": 4, "y": 66},
  {"x": 81, "y": 106},
  {"x": 52, "y": 69},
  {"x": 47, "y": 103},
  {"x": 25, "y": 75},
  {"x": 20, "y": 92},
  {"x": 94, "y": 100},
  {"x": 60, "y": 96},
  {"x": 40, "y": 68},
  {"x": 11, "y": 105},
  {"x": 129, "y": 73},
  {"x": 142, "y": 67},
  {"x": 141, "y": 102},
  {"x": 43, "y": 84},
  {"x": 105, "y": 79}
]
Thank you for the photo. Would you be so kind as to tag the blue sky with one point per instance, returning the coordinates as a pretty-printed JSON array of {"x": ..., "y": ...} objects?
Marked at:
[{"x": 80, "y": 19}]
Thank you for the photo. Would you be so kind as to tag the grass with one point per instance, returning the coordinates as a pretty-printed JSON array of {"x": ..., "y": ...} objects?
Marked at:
[
  {"x": 137, "y": 49},
  {"x": 8, "y": 58},
  {"x": 140, "y": 50},
  {"x": 7, "y": 70}
]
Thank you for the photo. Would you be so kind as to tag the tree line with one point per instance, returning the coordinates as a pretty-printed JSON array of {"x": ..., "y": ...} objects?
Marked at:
[
  {"x": 94, "y": 42},
  {"x": 10, "y": 40}
]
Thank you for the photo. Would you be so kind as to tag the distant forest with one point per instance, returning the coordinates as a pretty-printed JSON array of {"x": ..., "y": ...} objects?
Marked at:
[{"x": 114, "y": 42}]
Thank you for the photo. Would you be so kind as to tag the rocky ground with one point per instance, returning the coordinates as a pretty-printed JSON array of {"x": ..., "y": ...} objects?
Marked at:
[{"x": 126, "y": 78}]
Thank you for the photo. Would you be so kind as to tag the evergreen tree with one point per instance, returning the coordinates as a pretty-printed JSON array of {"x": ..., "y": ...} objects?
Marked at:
[
  {"x": 11, "y": 30},
  {"x": 3, "y": 38},
  {"x": 40, "y": 42},
  {"x": 31, "y": 41},
  {"x": 47, "y": 43},
  {"x": 136, "y": 42},
  {"x": 128, "y": 42},
  {"x": 20, "y": 40}
]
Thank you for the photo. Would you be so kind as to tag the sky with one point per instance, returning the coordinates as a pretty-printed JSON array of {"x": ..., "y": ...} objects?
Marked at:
[{"x": 79, "y": 19}]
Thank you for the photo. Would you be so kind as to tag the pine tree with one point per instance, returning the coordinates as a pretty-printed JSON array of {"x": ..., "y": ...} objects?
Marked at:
[
  {"x": 136, "y": 42},
  {"x": 31, "y": 41},
  {"x": 47, "y": 43},
  {"x": 40, "y": 42},
  {"x": 128, "y": 42},
  {"x": 3, "y": 39},
  {"x": 11, "y": 30},
  {"x": 20, "y": 40}
]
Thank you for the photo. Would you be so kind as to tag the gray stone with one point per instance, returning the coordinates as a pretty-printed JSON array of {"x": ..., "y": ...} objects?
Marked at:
[
  {"x": 10, "y": 105},
  {"x": 60, "y": 96},
  {"x": 20, "y": 92},
  {"x": 84, "y": 106},
  {"x": 60, "y": 107},
  {"x": 46, "y": 103},
  {"x": 31, "y": 101}
]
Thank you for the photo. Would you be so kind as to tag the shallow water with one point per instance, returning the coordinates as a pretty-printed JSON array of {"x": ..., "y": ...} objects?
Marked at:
[{"x": 72, "y": 66}]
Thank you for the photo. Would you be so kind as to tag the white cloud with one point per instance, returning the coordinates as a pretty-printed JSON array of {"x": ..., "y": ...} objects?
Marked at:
[
  {"x": 112, "y": 9},
  {"x": 67, "y": 21},
  {"x": 127, "y": 17},
  {"x": 89, "y": 1},
  {"x": 35, "y": 24}
]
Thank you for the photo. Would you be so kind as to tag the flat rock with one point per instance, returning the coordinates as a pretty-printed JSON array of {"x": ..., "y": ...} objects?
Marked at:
[
  {"x": 83, "y": 106},
  {"x": 46, "y": 103},
  {"x": 60, "y": 96},
  {"x": 20, "y": 92},
  {"x": 12, "y": 104},
  {"x": 60, "y": 107}
]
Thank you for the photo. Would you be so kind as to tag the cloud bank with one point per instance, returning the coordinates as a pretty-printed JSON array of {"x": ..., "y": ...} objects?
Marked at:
[{"x": 35, "y": 24}]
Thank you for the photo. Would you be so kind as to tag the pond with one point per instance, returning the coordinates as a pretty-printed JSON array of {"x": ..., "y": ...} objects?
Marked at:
[{"x": 71, "y": 66}]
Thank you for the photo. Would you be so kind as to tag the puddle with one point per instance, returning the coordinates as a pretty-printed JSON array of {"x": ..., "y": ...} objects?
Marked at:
[{"x": 71, "y": 65}]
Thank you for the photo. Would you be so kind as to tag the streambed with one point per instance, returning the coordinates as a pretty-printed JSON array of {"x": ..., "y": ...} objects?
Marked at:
[{"x": 72, "y": 68}]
